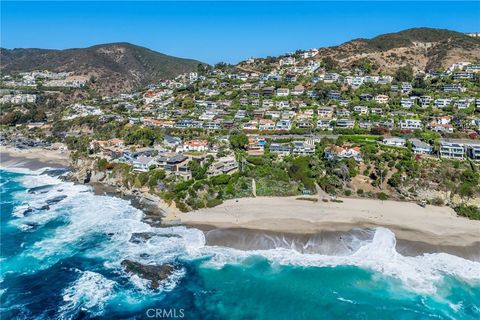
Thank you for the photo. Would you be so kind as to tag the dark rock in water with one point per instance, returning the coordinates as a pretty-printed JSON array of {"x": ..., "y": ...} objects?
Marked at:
[
  {"x": 55, "y": 172},
  {"x": 40, "y": 189},
  {"x": 141, "y": 237},
  {"x": 45, "y": 207},
  {"x": 154, "y": 273},
  {"x": 87, "y": 177},
  {"x": 28, "y": 211},
  {"x": 55, "y": 200}
]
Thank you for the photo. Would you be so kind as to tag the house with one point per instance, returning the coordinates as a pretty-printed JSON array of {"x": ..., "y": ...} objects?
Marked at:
[
  {"x": 473, "y": 151},
  {"x": 298, "y": 90},
  {"x": 420, "y": 147},
  {"x": 410, "y": 124},
  {"x": 335, "y": 153},
  {"x": 256, "y": 144},
  {"x": 324, "y": 124},
  {"x": 334, "y": 95},
  {"x": 212, "y": 125},
  {"x": 283, "y": 92},
  {"x": 268, "y": 91},
  {"x": 425, "y": 101},
  {"x": 251, "y": 125},
  {"x": 222, "y": 166},
  {"x": 304, "y": 123},
  {"x": 283, "y": 149},
  {"x": 451, "y": 150},
  {"x": 172, "y": 142},
  {"x": 406, "y": 87},
  {"x": 381, "y": 99},
  {"x": 303, "y": 148},
  {"x": 345, "y": 123},
  {"x": 366, "y": 97},
  {"x": 440, "y": 127},
  {"x": 377, "y": 111},
  {"x": 172, "y": 162},
  {"x": 283, "y": 125},
  {"x": 360, "y": 109},
  {"x": 266, "y": 124},
  {"x": 195, "y": 145},
  {"x": 143, "y": 163},
  {"x": 455, "y": 87},
  {"x": 442, "y": 103},
  {"x": 407, "y": 103},
  {"x": 325, "y": 112},
  {"x": 394, "y": 141}
]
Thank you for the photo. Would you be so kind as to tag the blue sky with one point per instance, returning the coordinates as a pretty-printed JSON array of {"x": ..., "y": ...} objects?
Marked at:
[{"x": 221, "y": 31}]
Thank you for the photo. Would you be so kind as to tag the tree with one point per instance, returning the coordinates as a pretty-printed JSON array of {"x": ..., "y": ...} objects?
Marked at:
[
  {"x": 404, "y": 74},
  {"x": 238, "y": 140}
]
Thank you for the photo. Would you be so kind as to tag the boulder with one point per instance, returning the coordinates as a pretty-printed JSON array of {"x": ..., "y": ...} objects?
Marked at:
[{"x": 154, "y": 273}]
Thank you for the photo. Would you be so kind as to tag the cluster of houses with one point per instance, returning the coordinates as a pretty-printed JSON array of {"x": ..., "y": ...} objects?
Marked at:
[
  {"x": 459, "y": 149},
  {"x": 18, "y": 98},
  {"x": 172, "y": 155},
  {"x": 45, "y": 78}
]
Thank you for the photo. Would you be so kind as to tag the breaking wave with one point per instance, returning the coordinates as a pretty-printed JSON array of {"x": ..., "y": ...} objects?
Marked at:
[{"x": 111, "y": 230}]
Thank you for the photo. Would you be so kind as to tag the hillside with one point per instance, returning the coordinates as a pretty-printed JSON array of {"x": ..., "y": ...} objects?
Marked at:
[
  {"x": 113, "y": 67},
  {"x": 422, "y": 48}
]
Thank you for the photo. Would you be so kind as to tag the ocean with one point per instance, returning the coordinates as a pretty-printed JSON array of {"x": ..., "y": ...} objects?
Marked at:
[{"x": 62, "y": 249}]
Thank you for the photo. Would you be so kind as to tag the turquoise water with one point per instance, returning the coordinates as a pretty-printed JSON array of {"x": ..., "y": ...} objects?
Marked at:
[{"x": 63, "y": 262}]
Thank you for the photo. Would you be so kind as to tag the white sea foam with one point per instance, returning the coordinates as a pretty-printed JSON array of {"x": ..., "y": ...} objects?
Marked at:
[
  {"x": 87, "y": 216},
  {"x": 89, "y": 292},
  {"x": 421, "y": 273}
]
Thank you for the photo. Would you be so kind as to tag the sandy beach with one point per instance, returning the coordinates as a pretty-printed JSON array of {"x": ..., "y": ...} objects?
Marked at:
[
  {"x": 32, "y": 158},
  {"x": 409, "y": 221}
]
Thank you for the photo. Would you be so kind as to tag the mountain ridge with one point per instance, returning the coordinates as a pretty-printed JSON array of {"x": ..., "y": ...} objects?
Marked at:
[{"x": 113, "y": 67}]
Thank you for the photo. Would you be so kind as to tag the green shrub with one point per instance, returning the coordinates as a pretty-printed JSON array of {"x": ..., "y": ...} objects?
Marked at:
[
  {"x": 382, "y": 196},
  {"x": 470, "y": 212},
  {"x": 221, "y": 179},
  {"x": 214, "y": 202}
]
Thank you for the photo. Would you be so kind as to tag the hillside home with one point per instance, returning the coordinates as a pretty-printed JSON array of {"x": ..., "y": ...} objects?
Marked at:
[
  {"x": 441, "y": 128},
  {"x": 266, "y": 124},
  {"x": 394, "y": 141},
  {"x": 411, "y": 124},
  {"x": 222, "y": 166},
  {"x": 298, "y": 90},
  {"x": 143, "y": 163},
  {"x": 334, "y": 153},
  {"x": 345, "y": 123},
  {"x": 442, "y": 103},
  {"x": 303, "y": 148},
  {"x": 283, "y": 92},
  {"x": 324, "y": 124},
  {"x": 195, "y": 145},
  {"x": 283, "y": 125},
  {"x": 473, "y": 151},
  {"x": 420, "y": 147},
  {"x": 283, "y": 149},
  {"x": 325, "y": 112},
  {"x": 451, "y": 150},
  {"x": 250, "y": 125},
  {"x": 381, "y": 99},
  {"x": 360, "y": 109}
]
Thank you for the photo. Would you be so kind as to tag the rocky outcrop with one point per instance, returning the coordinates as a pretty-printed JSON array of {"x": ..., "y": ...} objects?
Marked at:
[{"x": 155, "y": 273}]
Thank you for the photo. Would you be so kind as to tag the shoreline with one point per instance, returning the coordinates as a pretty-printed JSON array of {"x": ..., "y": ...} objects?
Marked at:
[
  {"x": 33, "y": 158},
  {"x": 431, "y": 226},
  {"x": 438, "y": 226}
]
